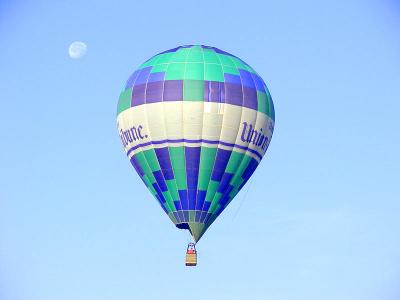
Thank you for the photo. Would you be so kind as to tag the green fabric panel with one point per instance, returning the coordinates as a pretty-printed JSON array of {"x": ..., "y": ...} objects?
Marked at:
[
  {"x": 175, "y": 71},
  {"x": 141, "y": 159},
  {"x": 150, "y": 185},
  {"x": 262, "y": 101},
  {"x": 192, "y": 215},
  {"x": 233, "y": 193},
  {"x": 231, "y": 70},
  {"x": 171, "y": 184},
  {"x": 226, "y": 61},
  {"x": 207, "y": 159},
  {"x": 193, "y": 90},
  {"x": 214, "y": 204},
  {"x": 214, "y": 72},
  {"x": 234, "y": 161},
  {"x": 204, "y": 178},
  {"x": 195, "y": 55},
  {"x": 151, "y": 159},
  {"x": 169, "y": 201},
  {"x": 177, "y": 156},
  {"x": 180, "y": 55},
  {"x": 164, "y": 58},
  {"x": 210, "y": 56},
  {"x": 151, "y": 62},
  {"x": 172, "y": 217},
  {"x": 241, "y": 65},
  {"x": 159, "y": 68},
  {"x": 194, "y": 71},
  {"x": 125, "y": 100},
  {"x": 243, "y": 165},
  {"x": 270, "y": 108},
  {"x": 211, "y": 190}
]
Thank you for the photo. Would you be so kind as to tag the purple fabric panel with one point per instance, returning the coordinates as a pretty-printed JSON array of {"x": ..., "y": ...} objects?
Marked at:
[
  {"x": 157, "y": 76},
  {"x": 183, "y": 198},
  {"x": 165, "y": 162},
  {"x": 173, "y": 90},
  {"x": 232, "y": 78},
  {"x": 192, "y": 198},
  {"x": 223, "y": 201},
  {"x": 137, "y": 166},
  {"x": 201, "y": 196},
  {"x": 143, "y": 75},
  {"x": 247, "y": 79},
  {"x": 259, "y": 83},
  {"x": 197, "y": 216},
  {"x": 186, "y": 216},
  {"x": 158, "y": 191},
  {"x": 163, "y": 157},
  {"x": 192, "y": 156},
  {"x": 192, "y": 160},
  {"x": 178, "y": 206},
  {"x": 250, "y": 98},
  {"x": 138, "y": 94},
  {"x": 226, "y": 178},
  {"x": 248, "y": 172},
  {"x": 154, "y": 91},
  {"x": 214, "y": 91},
  {"x": 221, "y": 160},
  {"x": 158, "y": 175},
  {"x": 131, "y": 79},
  {"x": 234, "y": 94},
  {"x": 206, "y": 205}
]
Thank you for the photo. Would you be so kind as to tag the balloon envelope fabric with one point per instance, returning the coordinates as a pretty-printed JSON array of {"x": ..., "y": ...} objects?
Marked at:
[{"x": 195, "y": 121}]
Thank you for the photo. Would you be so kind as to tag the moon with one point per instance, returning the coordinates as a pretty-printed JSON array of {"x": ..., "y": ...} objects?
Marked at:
[{"x": 77, "y": 50}]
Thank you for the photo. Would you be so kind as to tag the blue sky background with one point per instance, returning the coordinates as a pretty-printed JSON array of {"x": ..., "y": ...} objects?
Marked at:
[{"x": 319, "y": 219}]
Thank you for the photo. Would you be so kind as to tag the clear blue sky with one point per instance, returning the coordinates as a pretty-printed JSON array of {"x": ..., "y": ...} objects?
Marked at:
[{"x": 320, "y": 219}]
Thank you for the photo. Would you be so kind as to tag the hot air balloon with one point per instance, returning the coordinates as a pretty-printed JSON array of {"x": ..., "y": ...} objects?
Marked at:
[{"x": 195, "y": 122}]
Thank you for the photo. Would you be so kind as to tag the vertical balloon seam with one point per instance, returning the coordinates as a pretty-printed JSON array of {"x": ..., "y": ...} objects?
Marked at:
[
  {"x": 177, "y": 215},
  {"x": 203, "y": 212},
  {"x": 225, "y": 194},
  {"x": 241, "y": 185},
  {"x": 241, "y": 114},
  {"x": 184, "y": 147},
  {"x": 220, "y": 209},
  {"x": 215, "y": 158},
  {"x": 180, "y": 216},
  {"x": 216, "y": 197},
  {"x": 201, "y": 143},
  {"x": 152, "y": 149},
  {"x": 171, "y": 215}
]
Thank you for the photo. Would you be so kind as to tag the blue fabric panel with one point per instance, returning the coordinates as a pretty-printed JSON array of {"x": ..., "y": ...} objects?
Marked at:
[
  {"x": 160, "y": 180},
  {"x": 247, "y": 78},
  {"x": 173, "y": 90},
  {"x": 137, "y": 166},
  {"x": 138, "y": 94},
  {"x": 232, "y": 78},
  {"x": 201, "y": 196},
  {"x": 157, "y": 76},
  {"x": 143, "y": 75},
  {"x": 226, "y": 178},
  {"x": 154, "y": 91},
  {"x": 183, "y": 196},
  {"x": 192, "y": 198},
  {"x": 221, "y": 160},
  {"x": 132, "y": 79}
]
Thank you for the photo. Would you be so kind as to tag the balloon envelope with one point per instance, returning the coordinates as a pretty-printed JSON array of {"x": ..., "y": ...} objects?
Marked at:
[{"x": 195, "y": 121}]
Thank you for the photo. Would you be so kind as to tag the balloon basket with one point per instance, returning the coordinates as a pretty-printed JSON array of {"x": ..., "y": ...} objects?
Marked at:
[{"x": 191, "y": 255}]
